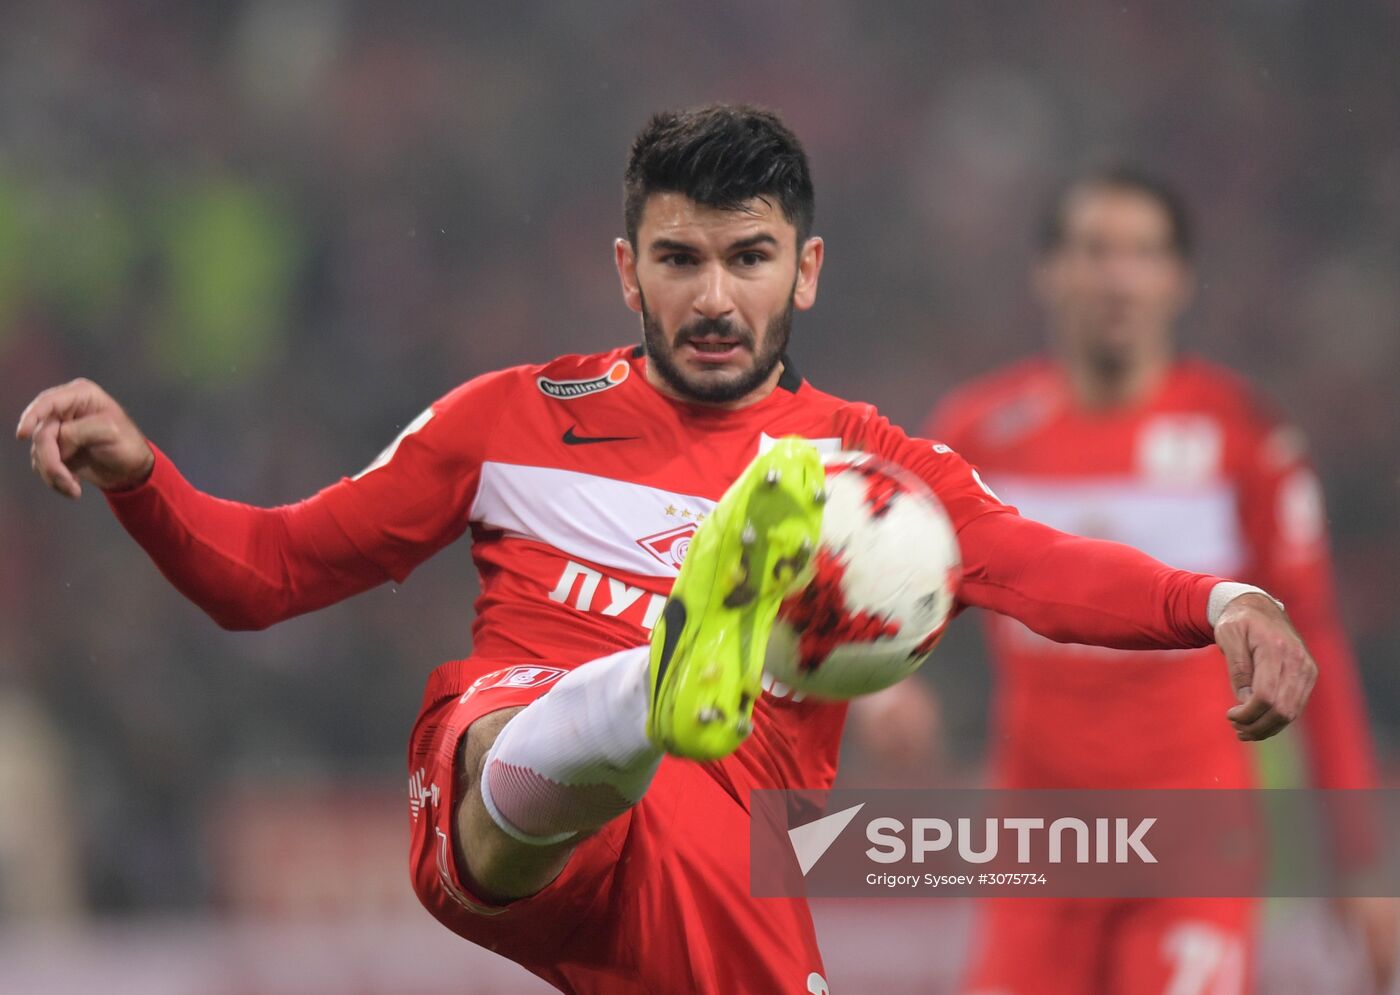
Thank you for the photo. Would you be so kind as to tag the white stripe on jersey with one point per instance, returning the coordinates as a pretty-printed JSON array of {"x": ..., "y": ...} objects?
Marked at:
[
  {"x": 828, "y": 446},
  {"x": 586, "y": 517},
  {"x": 1192, "y": 528},
  {"x": 424, "y": 416}
]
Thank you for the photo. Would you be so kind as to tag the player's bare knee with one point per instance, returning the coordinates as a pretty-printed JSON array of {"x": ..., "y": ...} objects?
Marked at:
[{"x": 499, "y": 867}]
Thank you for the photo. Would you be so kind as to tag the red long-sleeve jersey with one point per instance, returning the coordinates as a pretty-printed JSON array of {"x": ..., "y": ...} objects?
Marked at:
[
  {"x": 1200, "y": 475},
  {"x": 580, "y": 484}
]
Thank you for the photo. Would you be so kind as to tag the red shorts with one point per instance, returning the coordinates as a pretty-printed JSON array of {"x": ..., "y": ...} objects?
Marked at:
[
  {"x": 1141, "y": 946},
  {"x": 658, "y": 901}
]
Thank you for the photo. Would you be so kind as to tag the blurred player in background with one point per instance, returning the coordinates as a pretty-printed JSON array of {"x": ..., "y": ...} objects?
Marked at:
[
  {"x": 546, "y": 824},
  {"x": 1117, "y": 436}
]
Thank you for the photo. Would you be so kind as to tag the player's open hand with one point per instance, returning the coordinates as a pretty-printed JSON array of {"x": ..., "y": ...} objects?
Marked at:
[
  {"x": 77, "y": 432},
  {"x": 1271, "y": 670}
]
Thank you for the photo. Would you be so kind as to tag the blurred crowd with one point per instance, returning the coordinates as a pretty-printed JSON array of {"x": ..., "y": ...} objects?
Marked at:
[{"x": 275, "y": 231}]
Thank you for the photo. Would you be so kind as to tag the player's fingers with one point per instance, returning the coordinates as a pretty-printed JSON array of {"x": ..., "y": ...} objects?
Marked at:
[
  {"x": 1284, "y": 675},
  {"x": 36, "y": 445},
  {"x": 1251, "y": 710},
  {"x": 56, "y": 401},
  {"x": 1298, "y": 676},
  {"x": 1258, "y": 718},
  {"x": 1270, "y": 654},
  {"x": 93, "y": 430},
  {"x": 1252, "y": 706},
  {"x": 1269, "y": 724},
  {"x": 1270, "y": 650},
  {"x": 50, "y": 462},
  {"x": 35, "y": 413},
  {"x": 47, "y": 459},
  {"x": 1283, "y": 671},
  {"x": 1230, "y": 637}
]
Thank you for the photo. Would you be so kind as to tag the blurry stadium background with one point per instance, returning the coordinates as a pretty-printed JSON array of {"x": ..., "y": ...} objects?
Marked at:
[{"x": 276, "y": 229}]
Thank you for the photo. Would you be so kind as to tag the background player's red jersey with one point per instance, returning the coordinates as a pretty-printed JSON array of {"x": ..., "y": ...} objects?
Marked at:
[{"x": 1203, "y": 477}]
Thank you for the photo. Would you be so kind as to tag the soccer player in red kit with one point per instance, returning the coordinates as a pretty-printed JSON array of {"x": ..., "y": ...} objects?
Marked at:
[
  {"x": 579, "y": 792},
  {"x": 1119, "y": 438}
]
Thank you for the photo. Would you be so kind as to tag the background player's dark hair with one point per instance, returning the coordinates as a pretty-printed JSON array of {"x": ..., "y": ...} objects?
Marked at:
[
  {"x": 720, "y": 155},
  {"x": 1117, "y": 176}
]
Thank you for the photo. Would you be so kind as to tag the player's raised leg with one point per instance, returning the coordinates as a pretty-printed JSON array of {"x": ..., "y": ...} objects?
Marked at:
[
  {"x": 540, "y": 780},
  {"x": 500, "y": 867},
  {"x": 534, "y": 782},
  {"x": 707, "y": 650}
]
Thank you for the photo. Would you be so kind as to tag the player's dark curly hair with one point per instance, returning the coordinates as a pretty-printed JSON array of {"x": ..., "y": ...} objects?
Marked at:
[
  {"x": 1117, "y": 176},
  {"x": 720, "y": 155}
]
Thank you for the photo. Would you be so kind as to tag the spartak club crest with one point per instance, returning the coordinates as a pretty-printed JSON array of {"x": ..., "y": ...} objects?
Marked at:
[{"x": 670, "y": 546}]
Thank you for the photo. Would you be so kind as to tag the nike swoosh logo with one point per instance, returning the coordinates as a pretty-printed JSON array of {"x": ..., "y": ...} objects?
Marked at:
[
  {"x": 673, "y": 615},
  {"x": 570, "y": 439}
]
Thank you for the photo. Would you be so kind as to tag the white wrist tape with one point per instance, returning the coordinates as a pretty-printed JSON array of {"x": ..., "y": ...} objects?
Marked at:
[{"x": 1225, "y": 592}]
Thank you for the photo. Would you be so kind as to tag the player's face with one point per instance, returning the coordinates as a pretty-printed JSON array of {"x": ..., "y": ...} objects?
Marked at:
[
  {"x": 716, "y": 290},
  {"x": 1115, "y": 286}
]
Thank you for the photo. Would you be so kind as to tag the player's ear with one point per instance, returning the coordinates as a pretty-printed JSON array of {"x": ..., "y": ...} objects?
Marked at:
[
  {"x": 809, "y": 270},
  {"x": 626, "y": 258}
]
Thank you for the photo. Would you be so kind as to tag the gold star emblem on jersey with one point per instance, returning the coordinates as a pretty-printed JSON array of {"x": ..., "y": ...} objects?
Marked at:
[{"x": 684, "y": 514}]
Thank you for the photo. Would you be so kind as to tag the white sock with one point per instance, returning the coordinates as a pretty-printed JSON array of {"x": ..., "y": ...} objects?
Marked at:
[{"x": 575, "y": 758}]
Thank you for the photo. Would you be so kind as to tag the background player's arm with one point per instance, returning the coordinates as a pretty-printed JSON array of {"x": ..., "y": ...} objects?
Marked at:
[
  {"x": 1282, "y": 513},
  {"x": 249, "y": 567},
  {"x": 1283, "y": 518}
]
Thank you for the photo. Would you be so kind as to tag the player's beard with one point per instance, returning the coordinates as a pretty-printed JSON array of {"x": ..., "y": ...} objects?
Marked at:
[
  {"x": 1108, "y": 363},
  {"x": 661, "y": 354}
]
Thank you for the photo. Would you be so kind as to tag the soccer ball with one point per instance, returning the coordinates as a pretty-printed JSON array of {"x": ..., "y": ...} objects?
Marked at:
[{"x": 887, "y": 574}]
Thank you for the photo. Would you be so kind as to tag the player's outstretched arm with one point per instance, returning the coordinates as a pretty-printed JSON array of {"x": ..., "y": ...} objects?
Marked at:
[
  {"x": 247, "y": 567},
  {"x": 1103, "y": 593},
  {"x": 78, "y": 432}
]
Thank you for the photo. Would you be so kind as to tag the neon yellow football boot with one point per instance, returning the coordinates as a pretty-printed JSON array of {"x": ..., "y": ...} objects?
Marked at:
[{"x": 751, "y": 553}]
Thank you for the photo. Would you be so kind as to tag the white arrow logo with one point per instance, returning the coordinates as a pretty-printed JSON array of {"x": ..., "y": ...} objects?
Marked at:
[{"x": 809, "y": 842}]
